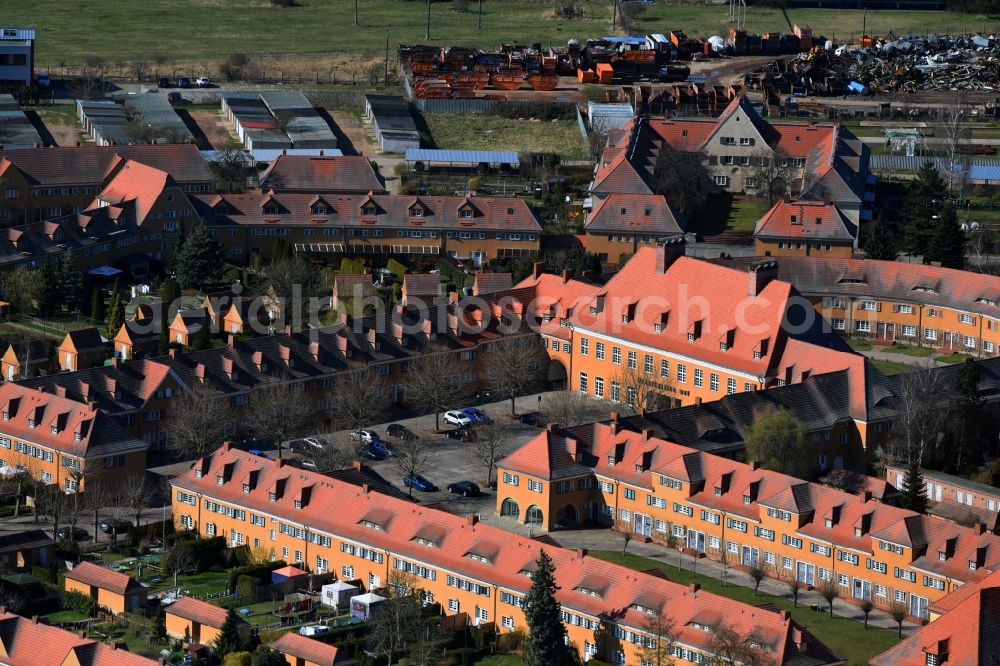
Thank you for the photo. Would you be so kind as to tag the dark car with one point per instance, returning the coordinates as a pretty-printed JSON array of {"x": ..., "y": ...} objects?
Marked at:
[
  {"x": 183, "y": 82},
  {"x": 299, "y": 446},
  {"x": 384, "y": 447},
  {"x": 115, "y": 525},
  {"x": 400, "y": 432},
  {"x": 162, "y": 82},
  {"x": 418, "y": 482},
  {"x": 367, "y": 452},
  {"x": 464, "y": 488},
  {"x": 476, "y": 415},
  {"x": 78, "y": 534},
  {"x": 531, "y": 418},
  {"x": 463, "y": 434},
  {"x": 175, "y": 98}
]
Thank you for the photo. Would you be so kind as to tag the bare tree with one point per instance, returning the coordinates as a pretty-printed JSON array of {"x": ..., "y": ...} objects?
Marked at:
[
  {"x": 569, "y": 408},
  {"x": 829, "y": 590},
  {"x": 433, "y": 381},
  {"x": 662, "y": 629},
  {"x": 134, "y": 492},
  {"x": 181, "y": 558},
  {"x": 794, "y": 586},
  {"x": 774, "y": 173},
  {"x": 639, "y": 390},
  {"x": 757, "y": 571},
  {"x": 338, "y": 454},
  {"x": 730, "y": 646},
  {"x": 279, "y": 411},
  {"x": 921, "y": 417},
  {"x": 953, "y": 134},
  {"x": 412, "y": 458},
  {"x": 197, "y": 422},
  {"x": 898, "y": 612},
  {"x": 398, "y": 623},
  {"x": 97, "y": 496},
  {"x": 866, "y": 607},
  {"x": 513, "y": 364},
  {"x": 358, "y": 398},
  {"x": 490, "y": 445}
]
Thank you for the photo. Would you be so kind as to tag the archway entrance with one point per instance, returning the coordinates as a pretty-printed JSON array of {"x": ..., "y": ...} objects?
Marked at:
[
  {"x": 556, "y": 375},
  {"x": 510, "y": 509},
  {"x": 534, "y": 515},
  {"x": 568, "y": 515}
]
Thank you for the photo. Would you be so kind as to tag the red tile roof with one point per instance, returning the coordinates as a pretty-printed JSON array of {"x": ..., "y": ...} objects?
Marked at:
[
  {"x": 401, "y": 520},
  {"x": 198, "y": 611},
  {"x": 89, "y": 165},
  {"x": 348, "y": 286},
  {"x": 300, "y": 173},
  {"x": 491, "y": 283},
  {"x": 636, "y": 213},
  {"x": 805, "y": 220},
  {"x": 137, "y": 183},
  {"x": 422, "y": 284},
  {"x": 309, "y": 649},
  {"x": 106, "y": 579},
  {"x": 967, "y": 633},
  {"x": 27, "y": 643}
]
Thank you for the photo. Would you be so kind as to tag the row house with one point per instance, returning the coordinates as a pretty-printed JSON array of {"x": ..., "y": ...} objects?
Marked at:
[
  {"x": 742, "y": 152},
  {"x": 28, "y": 642},
  {"x": 954, "y": 498},
  {"x": 139, "y": 335},
  {"x": 311, "y": 174},
  {"x": 622, "y": 223},
  {"x": 469, "y": 568},
  {"x": 464, "y": 227},
  {"x": 888, "y": 301},
  {"x": 139, "y": 394},
  {"x": 668, "y": 329},
  {"x": 805, "y": 228},
  {"x": 50, "y": 183},
  {"x": 746, "y": 516},
  {"x": 82, "y": 348},
  {"x": 139, "y": 212},
  {"x": 62, "y": 441},
  {"x": 25, "y": 358}
]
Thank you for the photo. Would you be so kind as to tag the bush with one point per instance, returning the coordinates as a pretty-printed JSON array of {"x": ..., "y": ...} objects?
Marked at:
[
  {"x": 237, "y": 658},
  {"x": 246, "y": 586},
  {"x": 398, "y": 269},
  {"x": 81, "y": 603},
  {"x": 512, "y": 641},
  {"x": 209, "y": 552},
  {"x": 259, "y": 573},
  {"x": 182, "y": 535}
]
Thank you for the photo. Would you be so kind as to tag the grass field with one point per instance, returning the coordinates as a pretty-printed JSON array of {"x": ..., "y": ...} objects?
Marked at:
[
  {"x": 475, "y": 131},
  {"x": 72, "y": 30},
  {"x": 891, "y": 367},
  {"x": 845, "y": 637},
  {"x": 725, "y": 214}
]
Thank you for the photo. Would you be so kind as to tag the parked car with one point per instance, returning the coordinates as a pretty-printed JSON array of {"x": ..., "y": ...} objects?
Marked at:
[
  {"x": 175, "y": 98},
  {"x": 43, "y": 80},
  {"x": 383, "y": 446},
  {"x": 298, "y": 446},
  {"x": 183, "y": 82},
  {"x": 364, "y": 436},
  {"x": 203, "y": 82},
  {"x": 463, "y": 434},
  {"x": 78, "y": 534},
  {"x": 162, "y": 82},
  {"x": 464, "y": 488},
  {"x": 418, "y": 482},
  {"x": 531, "y": 418},
  {"x": 368, "y": 453},
  {"x": 400, "y": 432},
  {"x": 456, "y": 417},
  {"x": 308, "y": 463},
  {"x": 475, "y": 415},
  {"x": 115, "y": 525}
]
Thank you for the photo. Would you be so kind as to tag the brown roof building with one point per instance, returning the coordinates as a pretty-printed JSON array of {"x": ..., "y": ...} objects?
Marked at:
[
  {"x": 115, "y": 591},
  {"x": 322, "y": 175},
  {"x": 305, "y": 651},
  {"x": 25, "y": 642}
]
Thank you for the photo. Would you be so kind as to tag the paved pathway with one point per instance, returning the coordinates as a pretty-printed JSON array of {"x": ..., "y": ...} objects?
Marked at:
[{"x": 605, "y": 539}]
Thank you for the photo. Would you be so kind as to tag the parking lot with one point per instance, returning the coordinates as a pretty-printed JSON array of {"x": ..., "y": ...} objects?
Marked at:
[{"x": 450, "y": 460}]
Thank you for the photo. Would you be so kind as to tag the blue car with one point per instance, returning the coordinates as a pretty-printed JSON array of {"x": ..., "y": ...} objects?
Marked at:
[
  {"x": 475, "y": 414},
  {"x": 382, "y": 446},
  {"x": 418, "y": 482}
]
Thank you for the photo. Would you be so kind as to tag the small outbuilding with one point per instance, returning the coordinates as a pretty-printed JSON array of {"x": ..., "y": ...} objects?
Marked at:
[
  {"x": 338, "y": 594},
  {"x": 363, "y": 606}
]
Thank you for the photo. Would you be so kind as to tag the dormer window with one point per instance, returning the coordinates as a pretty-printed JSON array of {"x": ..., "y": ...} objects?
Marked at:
[
  {"x": 272, "y": 497},
  {"x": 416, "y": 211},
  {"x": 297, "y": 504},
  {"x": 465, "y": 214},
  {"x": 857, "y": 531},
  {"x": 746, "y": 499},
  {"x": 623, "y": 211},
  {"x": 647, "y": 211},
  {"x": 756, "y": 354},
  {"x": 319, "y": 209},
  {"x": 198, "y": 474},
  {"x": 657, "y": 327},
  {"x": 54, "y": 429},
  {"x": 246, "y": 488},
  {"x": 723, "y": 346},
  {"x": 795, "y": 219},
  {"x": 973, "y": 565},
  {"x": 368, "y": 210},
  {"x": 828, "y": 523},
  {"x": 6, "y": 415},
  {"x": 270, "y": 209},
  {"x": 942, "y": 555},
  {"x": 31, "y": 423},
  {"x": 77, "y": 436},
  {"x": 219, "y": 479},
  {"x": 718, "y": 491}
]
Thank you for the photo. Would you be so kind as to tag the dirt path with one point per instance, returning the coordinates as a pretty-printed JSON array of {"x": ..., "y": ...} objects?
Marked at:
[
  {"x": 351, "y": 128},
  {"x": 214, "y": 128}
]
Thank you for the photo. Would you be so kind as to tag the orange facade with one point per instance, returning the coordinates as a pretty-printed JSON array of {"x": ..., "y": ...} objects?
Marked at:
[{"x": 803, "y": 248}]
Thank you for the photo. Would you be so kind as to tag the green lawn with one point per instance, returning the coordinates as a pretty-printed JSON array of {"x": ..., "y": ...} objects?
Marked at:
[
  {"x": 843, "y": 636},
  {"x": 957, "y": 357},
  {"x": 72, "y": 30},
  {"x": 476, "y": 131},
  {"x": 723, "y": 213},
  {"x": 859, "y": 344},
  {"x": 891, "y": 367},
  {"x": 67, "y": 615},
  {"x": 502, "y": 660},
  {"x": 919, "y": 352}
]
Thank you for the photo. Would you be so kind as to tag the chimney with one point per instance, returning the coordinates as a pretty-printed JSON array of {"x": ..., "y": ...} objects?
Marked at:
[
  {"x": 786, "y": 617},
  {"x": 358, "y": 465},
  {"x": 566, "y": 275},
  {"x": 342, "y": 344},
  {"x": 172, "y": 352},
  {"x": 231, "y": 341},
  {"x": 759, "y": 274},
  {"x": 397, "y": 331},
  {"x": 428, "y": 327},
  {"x": 282, "y": 462},
  {"x": 573, "y": 446},
  {"x": 980, "y": 527},
  {"x": 258, "y": 359},
  {"x": 116, "y": 362},
  {"x": 646, "y": 432},
  {"x": 537, "y": 269},
  {"x": 552, "y": 427},
  {"x": 199, "y": 371},
  {"x": 34, "y": 618},
  {"x": 581, "y": 553},
  {"x": 227, "y": 366},
  {"x": 694, "y": 587},
  {"x": 865, "y": 496},
  {"x": 365, "y": 488},
  {"x": 471, "y": 519},
  {"x": 288, "y": 329},
  {"x": 227, "y": 445},
  {"x": 286, "y": 353},
  {"x": 314, "y": 350},
  {"x": 453, "y": 323},
  {"x": 371, "y": 337},
  {"x": 668, "y": 250},
  {"x": 754, "y": 465}
]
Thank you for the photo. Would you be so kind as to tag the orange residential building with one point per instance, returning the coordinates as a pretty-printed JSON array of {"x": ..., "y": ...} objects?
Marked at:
[
  {"x": 679, "y": 330},
  {"x": 248, "y": 316},
  {"x": 622, "y": 223},
  {"x": 82, "y": 348},
  {"x": 114, "y": 591},
  {"x": 24, "y": 359},
  {"x": 963, "y": 630},
  {"x": 422, "y": 289},
  {"x": 304, "y": 651},
  {"x": 186, "y": 323},
  {"x": 137, "y": 338},
  {"x": 805, "y": 228},
  {"x": 716, "y": 507},
  {"x": 25, "y": 642},
  {"x": 195, "y": 620},
  {"x": 468, "y": 567},
  {"x": 887, "y": 301},
  {"x": 64, "y": 442}
]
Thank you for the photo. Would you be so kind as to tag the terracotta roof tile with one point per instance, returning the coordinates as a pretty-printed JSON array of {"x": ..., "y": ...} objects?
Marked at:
[
  {"x": 88, "y": 165},
  {"x": 636, "y": 213},
  {"x": 805, "y": 220},
  {"x": 301, "y": 173},
  {"x": 26, "y": 643},
  {"x": 106, "y": 579},
  {"x": 308, "y": 649},
  {"x": 199, "y": 611}
]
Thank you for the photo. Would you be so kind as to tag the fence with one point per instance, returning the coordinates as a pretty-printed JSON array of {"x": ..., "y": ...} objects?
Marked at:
[
  {"x": 52, "y": 327},
  {"x": 471, "y": 105}
]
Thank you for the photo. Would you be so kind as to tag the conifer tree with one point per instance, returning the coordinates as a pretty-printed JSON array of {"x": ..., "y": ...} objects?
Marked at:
[
  {"x": 970, "y": 401},
  {"x": 48, "y": 295},
  {"x": 947, "y": 241},
  {"x": 546, "y": 641},
  {"x": 925, "y": 197},
  {"x": 879, "y": 244},
  {"x": 97, "y": 307},
  {"x": 913, "y": 497},
  {"x": 116, "y": 317},
  {"x": 199, "y": 260},
  {"x": 229, "y": 639},
  {"x": 163, "y": 344},
  {"x": 70, "y": 281}
]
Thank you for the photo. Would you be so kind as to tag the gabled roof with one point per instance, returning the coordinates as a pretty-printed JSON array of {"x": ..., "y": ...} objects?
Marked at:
[
  {"x": 84, "y": 339},
  {"x": 427, "y": 285},
  {"x": 546, "y": 456},
  {"x": 806, "y": 220},
  {"x": 198, "y": 611},
  {"x": 491, "y": 283},
  {"x": 25, "y": 642},
  {"x": 141, "y": 184},
  {"x": 90, "y": 165},
  {"x": 105, "y": 579},
  {"x": 301, "y": 173},
  {"x": 636, "y": 213},
  {"x": 26, "y": 539},
  {"x": 305, "y": 648}
]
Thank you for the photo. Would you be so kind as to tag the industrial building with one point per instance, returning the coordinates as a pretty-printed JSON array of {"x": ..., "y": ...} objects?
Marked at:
[
  {"x": 391, "y": 122},
  {"x": 146, "y": 118},
  {"x": 16, "y": 131},
  {"x": 17, "y": 56},
  {"x": 277, "y": 120}
]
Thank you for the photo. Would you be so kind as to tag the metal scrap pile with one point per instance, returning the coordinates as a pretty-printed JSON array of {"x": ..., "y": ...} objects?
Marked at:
[{"x": 907, "y": 64}]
